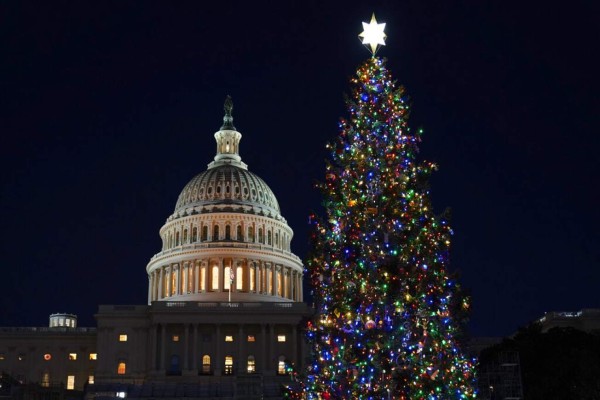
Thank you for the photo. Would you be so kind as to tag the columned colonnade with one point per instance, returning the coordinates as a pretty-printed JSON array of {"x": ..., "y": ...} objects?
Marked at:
[{"x": 215, "y": 275}]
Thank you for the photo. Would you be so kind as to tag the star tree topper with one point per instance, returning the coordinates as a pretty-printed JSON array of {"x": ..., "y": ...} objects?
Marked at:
[{"x": 373, "y": 36}]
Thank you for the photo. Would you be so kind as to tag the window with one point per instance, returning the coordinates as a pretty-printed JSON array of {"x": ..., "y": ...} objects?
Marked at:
[
  {"x": 281, "y": 338},
  {"x": 204, "y": 233},
  {"x": 215, "y": 233},
  {"x": 47, "y": 356},
  {"x": 239, "y": 233},
  {"x": 93, "y": 356},
  {"x": 251, "y": 366},
  {"x": 206, "y": 364},
  {"x": 239, "y": 282},
  {"x": 70, "y": 382},
  {"x": 176, "y": 238},
  {"x": 2, "y": 356},
  {"x": 269, "y": 238},
  {"x": 261, "y": 239},
  {"x": 250, "y": 234},
  {"x": 185, "y": 236},
  {"x": 203, "y": 278},
  {"x": 251, "y": 338},
  {"x": 227, "y": 232},
  {"x": 45, "y": 379},
  {"x": 228, "y": 365},
  {"x": 215, "y": 278},
  {"x": 228, "y": 278},
  {"x": 72, "y": 356},
  {"x": 281, "y": 366},
  {"x": 91, "y": 379},
  {"x": 21, "y": 357},
  {"x": 121, "y": 395},
  {"x": 195, "y": 235},
  {"x": 122, "y": 337},
  {"x": 229, "y": 338},
  {"x": 175, "y": 338},
  {"x": 121, "y": 368}
]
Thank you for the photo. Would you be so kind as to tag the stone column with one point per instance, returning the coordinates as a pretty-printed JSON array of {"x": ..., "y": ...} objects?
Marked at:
[
  {"x": 163, "y": 335},
  {"x": 295, "y": 345},
  {"x": 160, "y": 284},
  {"x": 153, "y": 355},
  {"x": 275, "y": 280},
  {"x": 265, "y": 352},
  {"x": 218, "y": 361},
  {"x": 195, "y": 348},
  {"x": 240, "y": 351},
  {"x": 186, "y": 348},
  {"x": 149, "y": 289},
  {"x": 178, "y": 279},
  {"x": 196, "y": 277}
]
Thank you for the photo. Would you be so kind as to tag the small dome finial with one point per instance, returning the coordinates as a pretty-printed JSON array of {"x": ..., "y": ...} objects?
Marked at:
[{"x": 228, "y": 119}]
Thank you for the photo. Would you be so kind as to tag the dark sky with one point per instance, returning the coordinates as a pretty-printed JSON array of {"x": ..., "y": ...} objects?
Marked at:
[{"x": 107, "y": 110}]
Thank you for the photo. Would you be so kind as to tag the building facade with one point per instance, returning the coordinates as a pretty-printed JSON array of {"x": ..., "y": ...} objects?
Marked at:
[{"x": 224, "y": 308}]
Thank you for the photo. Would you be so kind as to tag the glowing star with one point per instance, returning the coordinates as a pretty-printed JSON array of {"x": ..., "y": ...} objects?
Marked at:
[{"x": 373, "y": 35}]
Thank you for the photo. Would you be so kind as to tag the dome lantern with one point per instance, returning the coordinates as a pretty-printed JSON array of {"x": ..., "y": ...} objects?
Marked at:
[{"x": 228, "y": 141}]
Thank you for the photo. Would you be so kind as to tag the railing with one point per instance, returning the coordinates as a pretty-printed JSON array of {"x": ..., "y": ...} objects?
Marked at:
[
  {"x": 223, "y": 305},
  {"x": 226, "y": 244}
]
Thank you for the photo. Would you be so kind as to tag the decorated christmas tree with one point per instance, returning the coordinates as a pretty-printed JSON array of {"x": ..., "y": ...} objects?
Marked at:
[{"x": 386, "y": 321}]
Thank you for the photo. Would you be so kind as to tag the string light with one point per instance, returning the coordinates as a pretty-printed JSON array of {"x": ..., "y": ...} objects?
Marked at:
[{"x": 386, "y": 321}]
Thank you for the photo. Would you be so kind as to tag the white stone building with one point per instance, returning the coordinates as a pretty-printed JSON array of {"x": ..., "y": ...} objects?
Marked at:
[{"x": 224, "y": 308}]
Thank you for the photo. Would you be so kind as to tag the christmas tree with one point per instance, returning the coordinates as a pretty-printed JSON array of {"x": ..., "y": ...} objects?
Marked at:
[{"x": 386, "y": 324}]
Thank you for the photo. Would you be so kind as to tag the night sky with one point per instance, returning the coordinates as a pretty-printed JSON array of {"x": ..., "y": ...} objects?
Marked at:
[{"x": 107, "y": 110}]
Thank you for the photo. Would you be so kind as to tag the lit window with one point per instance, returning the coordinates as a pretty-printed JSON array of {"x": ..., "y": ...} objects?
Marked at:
[
  {"x": 122, "y": 338},
  {"x": 251, "y": 365},
  {"x": 45, "y": 379},
  {"x": 47, "y": 357},
  {"x": 93, "y": 356},
  {"x": 70, "y": 382},
  {"x": 206, "y": 364},
  {"x": 91, "y": 379},
  {"x": 281, "y": 338},
  {"x": 228, "y": 365},
  {"x": 21, "y": 357},
  {"x": 229, "y": 338},
  {"x": 72, "y": 356},
  {"x": 281, "y": 366},
  {"x": 175, "y": 338},
  {"x": 121, "y": 368},
  {"x": 251, "y": 338},
  {"x": 121, "y": 395}
]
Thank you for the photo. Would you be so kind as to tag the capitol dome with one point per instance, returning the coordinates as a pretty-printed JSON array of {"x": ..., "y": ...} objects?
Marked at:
[{"x": 226, "y": 239}]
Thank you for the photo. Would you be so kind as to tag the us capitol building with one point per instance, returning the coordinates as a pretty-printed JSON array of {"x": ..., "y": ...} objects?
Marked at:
[{"x": 224, "y": 310}]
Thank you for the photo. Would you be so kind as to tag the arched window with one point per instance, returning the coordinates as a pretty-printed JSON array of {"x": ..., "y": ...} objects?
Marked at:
[
  {"x": 239, "y": 234},
  {"x": 228, "y": 365},
  {"x": 215, "y": 233},
  {"x": 252, "y": 287},
  {"x": 239, "y": 278},
  {"x": 185, "y": 236},
  {"x": 281, "y": 366},
  {"x": 250, "y": 234},
  {"x": 251, "y": 368},
  {"x": 194, "y": 235},
  {"x": 121, "y": 368},
  {"x": 227, "y": 232},
  {"x": 206, "y": 364},
  {"x": 269, "y": 238},
  {"x": 215, "y": 278},
  {"x": 261, "y": 239},
  {"x": 277, "y": 239},
  {"x": 177, "y": 239},
  {"x": 227, "y": 278},
  {"x": 170, "y": 240},
  {"x": 204, "y": 233},
  {"x": 279, "y": 283}
]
